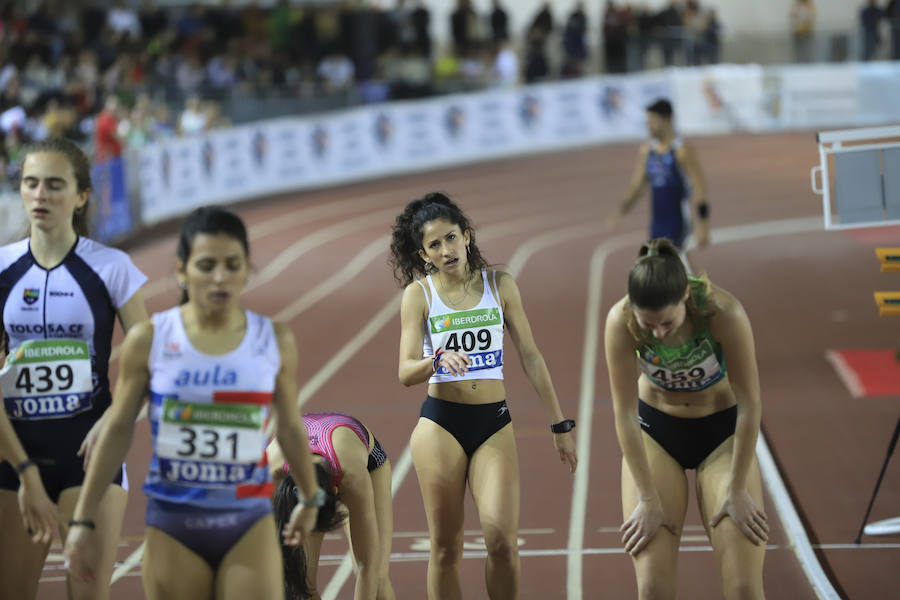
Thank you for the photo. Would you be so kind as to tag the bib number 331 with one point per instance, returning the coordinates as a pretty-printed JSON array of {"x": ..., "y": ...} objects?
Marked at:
[
  {"x": 209, "y": 444},
  {"x": 47, "y": 379}
]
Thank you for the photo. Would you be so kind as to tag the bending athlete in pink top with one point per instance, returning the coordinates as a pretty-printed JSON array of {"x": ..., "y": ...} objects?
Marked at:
[{"x": 354, "y": 470}]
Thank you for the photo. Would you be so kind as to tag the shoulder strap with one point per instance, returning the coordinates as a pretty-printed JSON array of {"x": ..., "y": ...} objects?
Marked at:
[{"x": 425, "y": 290}]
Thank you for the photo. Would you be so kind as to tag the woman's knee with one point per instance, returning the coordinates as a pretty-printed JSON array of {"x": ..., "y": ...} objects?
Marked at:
[
  {"x": 502, "y": 547},
  {"x": 654, "y": 589},
  {"x": 446, "y": 550},
  {"x": 740, "y": 588}
]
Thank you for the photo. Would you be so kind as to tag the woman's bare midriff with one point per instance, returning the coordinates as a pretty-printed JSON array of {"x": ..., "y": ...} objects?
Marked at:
[
  {"x": 687, "y": 405},
  {"x": 471, "y": 391}
]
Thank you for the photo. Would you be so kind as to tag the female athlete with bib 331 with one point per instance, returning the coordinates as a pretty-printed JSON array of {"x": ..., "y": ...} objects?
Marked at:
[
  {"x": 214, "y": 371},
  {"x": 689, "y": 410},
  {"x": 453, "y": 314}
]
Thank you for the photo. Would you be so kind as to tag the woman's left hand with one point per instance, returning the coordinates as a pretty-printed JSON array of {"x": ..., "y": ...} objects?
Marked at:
[
  {"x": 90, "y": 441},
  {"x": 565, "y": 445},
  {"x": 303, "y": 519},
  {"x": 752, "y": 521}
]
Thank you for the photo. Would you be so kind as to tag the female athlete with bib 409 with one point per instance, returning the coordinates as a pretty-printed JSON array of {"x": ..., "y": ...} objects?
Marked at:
[
  {"x": 60, "y": 294},
  {"x": 453, "y": 315},
  {"x": 214, "y": 371},
  {"x": 689, "y": 410}
]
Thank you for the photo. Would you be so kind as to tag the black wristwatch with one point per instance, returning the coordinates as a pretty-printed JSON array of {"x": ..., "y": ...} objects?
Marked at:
[{"x": 563, "y": 426}]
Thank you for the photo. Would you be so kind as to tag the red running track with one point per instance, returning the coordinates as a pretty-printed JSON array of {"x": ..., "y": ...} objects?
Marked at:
[{"x": 320, "y": 260}]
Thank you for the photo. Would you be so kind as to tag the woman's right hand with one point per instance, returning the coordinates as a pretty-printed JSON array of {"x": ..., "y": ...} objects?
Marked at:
[
  {"x": 82, "y": 553},
  {"x": 303, "y": 519},
  {"x": 457, "y": 363},
  {"x": 39, "y": 513},
  {"x": 642, "y": 525}
]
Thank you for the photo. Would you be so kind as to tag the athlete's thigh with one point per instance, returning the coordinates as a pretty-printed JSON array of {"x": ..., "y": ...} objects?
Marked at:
[
  {"x": 384, "y": 510},
  {"x": 494, "y": 481},
  {"x": 252, "y": 568},
  {"x": 441, "y": 467},
  {"x": 22, "y": 560},
  {"x": 109, "y": 526},
  {"x": 661, "y": 554},
  {"x": 735, "y": 554},
  {"x": 173, "y": 572}
]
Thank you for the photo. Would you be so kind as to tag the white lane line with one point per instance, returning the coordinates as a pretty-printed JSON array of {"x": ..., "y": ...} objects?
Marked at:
[
  {"x": 423, "y": 556},
  {"x": 128, "y": 564},
  {"x": 845, "y": 374},
  {"x": 578, "y": 511}
]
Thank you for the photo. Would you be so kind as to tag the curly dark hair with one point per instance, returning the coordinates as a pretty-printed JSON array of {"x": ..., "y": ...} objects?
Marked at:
[
  {"x": 330, "y": 517},
  {"x": 406, "y": 238}
]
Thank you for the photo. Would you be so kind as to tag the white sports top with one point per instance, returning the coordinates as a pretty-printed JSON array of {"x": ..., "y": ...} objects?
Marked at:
[
  {"x": 208, "y": 415},
  {"x": 478, "y": 332}
]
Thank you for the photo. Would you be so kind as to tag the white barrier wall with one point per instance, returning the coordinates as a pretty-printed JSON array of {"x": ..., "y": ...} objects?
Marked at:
[{"x": 300, "y": 153}]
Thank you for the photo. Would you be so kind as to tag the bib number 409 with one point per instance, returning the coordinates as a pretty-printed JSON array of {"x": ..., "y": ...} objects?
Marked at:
[{"x": 468, "y": 341}]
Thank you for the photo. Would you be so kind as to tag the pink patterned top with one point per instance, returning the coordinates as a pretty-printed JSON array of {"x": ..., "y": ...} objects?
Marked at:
[{"x": 320, "y": 426}]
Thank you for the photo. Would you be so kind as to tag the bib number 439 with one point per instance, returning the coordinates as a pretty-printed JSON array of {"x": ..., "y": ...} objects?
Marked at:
[{"x": 42, "y": 379}]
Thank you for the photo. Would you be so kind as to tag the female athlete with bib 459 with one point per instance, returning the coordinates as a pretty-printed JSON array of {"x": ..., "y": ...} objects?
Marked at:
[
  {"x": 453, "y": 315},
  {"x": 214, "y": 371},
  {"x": 696, "y": 406},
  {"x": 60, "y": 294}
]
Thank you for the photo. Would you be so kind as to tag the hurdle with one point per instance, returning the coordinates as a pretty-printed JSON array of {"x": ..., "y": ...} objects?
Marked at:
[{"x": 858, "y": 177}]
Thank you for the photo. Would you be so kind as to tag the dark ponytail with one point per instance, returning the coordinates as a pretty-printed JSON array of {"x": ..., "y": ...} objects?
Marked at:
[
  {"x": 329, "y": 518},
  {"x": 406, "y": 237},
  {"x": 658, "y": 278}
]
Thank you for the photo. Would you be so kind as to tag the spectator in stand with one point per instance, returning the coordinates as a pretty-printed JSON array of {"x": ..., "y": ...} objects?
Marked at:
[
  {"x": 421, "y": 23},
  {"x": 537, "y": 67},
  {"x": 107, "y": 143},
  {"x": 803, "y": 19},
  {"x": 695, "y": 24},
  {"x": 892, "y": 14},
  {"x": 542, "y": 25},
  {"x": 499, "y": 23},
  {"x": 335, "y": 73},
  {"x": 464, "y": 28},
  {"x": 711, "y": 37},
  {"x": 124, "y": 20},
  {"x": 615, "y": 38},
  {"x": 505, "y": 68},
  {"x": 870, "y": 21},
  {"x": 670, "y": 29},
  {"x": 153, "y": 19},
  {"x": 574, "y": 42},
  {"x": 193, "y": 117},
  {"x": 162, "y": 127}
]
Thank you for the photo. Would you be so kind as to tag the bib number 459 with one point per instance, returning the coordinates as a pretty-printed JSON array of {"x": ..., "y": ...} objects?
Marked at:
[{"x": 694, "y": 374}]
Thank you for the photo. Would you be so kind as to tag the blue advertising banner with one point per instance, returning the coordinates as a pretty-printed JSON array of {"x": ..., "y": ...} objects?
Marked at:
[{"x": 113, "y": 217}]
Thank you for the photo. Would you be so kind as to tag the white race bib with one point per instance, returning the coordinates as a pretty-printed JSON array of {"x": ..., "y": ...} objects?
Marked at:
[
  {"x": 209, "y": 444},
  {"x": 47, "y": 379}
]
